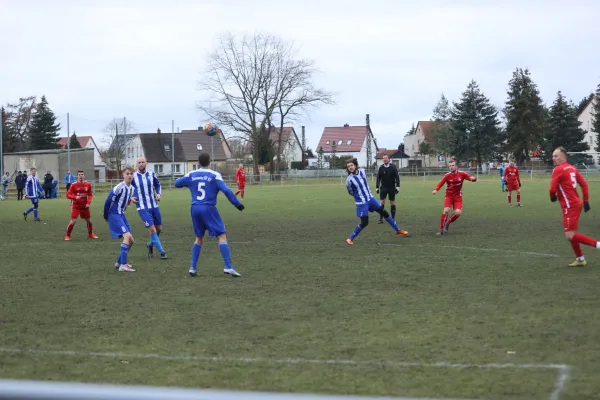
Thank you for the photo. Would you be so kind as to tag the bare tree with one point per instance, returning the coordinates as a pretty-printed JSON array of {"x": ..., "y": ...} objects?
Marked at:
[
  {"x": 118, "y": 133},
  {"x": 18, "y": 121},
  {"x": 249, "y": 82},
  {"x": 237, "y": 147}
]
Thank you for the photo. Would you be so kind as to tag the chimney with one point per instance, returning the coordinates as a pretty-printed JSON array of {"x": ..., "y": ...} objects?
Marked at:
[
  {"x": 346, "y": 125},
  {"x": 158, "y": 131}
]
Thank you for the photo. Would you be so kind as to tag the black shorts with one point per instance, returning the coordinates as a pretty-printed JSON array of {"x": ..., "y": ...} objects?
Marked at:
[{"x": 390, "y": 193}]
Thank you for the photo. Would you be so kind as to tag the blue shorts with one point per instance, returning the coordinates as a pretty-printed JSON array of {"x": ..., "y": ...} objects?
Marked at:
[
  {"x": 363, "y": 210},
  {"x": 118, "y": 225},
  {"x": 34, "y": 200},
  {"x": 207, "y": 218},
  {"x": 150, "y": 216}
]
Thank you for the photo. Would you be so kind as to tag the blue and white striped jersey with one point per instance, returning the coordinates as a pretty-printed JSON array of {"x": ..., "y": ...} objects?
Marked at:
[
  {"x": 358, "y": 187},
  {"x": 147, "y": 186},
  {"x": 205, "y": 184},
  {"x": 32, "y": 186},
  {"x": 118, "y": 199}
]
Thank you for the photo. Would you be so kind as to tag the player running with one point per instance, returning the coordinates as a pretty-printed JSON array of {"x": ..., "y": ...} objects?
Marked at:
[
  {"x": 358, "y": 187},
  {"x": 80, "y": 193},
  {"x": 115, "y": 205},
  {"x": 240, "y": 178},
  {"x": 148, "y": 193},
  {"x": 388, "y": 185},
  {"x": 205, "y": 184},
  {"x": 32, "y": 188},
  {"x": 563, "y": 187},
  {"x": 513, "y": 182},
  {"x": 454, "y": 181}
]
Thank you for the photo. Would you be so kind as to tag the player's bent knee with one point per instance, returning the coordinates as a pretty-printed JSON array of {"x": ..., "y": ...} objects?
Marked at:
[
  {"x": 457, "y": 212},
  {"x": 35, "y": 205},
  {"x": 222, "y": 238},
  {"x": 364, "y": 221}
]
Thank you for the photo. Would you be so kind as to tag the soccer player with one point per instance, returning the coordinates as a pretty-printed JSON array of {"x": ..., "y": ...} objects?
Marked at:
[
  {"x": 240, "y": 178},
  {"x": 115, "y": 205},
  {"x": 32, "y": 188},
  {"x": 80, "y": 194},
  {"x": 454, "y": 181},
  {"x": 388, "y": 185},
  {"x": 205, "y": 184},
  {"x": 513, "y": 182},
  {"x": 563, "y": 187},
  {"x": 502, "y": 168},
  {"x": 148, "y": 193},
  {"x": 358, "y": 187}
]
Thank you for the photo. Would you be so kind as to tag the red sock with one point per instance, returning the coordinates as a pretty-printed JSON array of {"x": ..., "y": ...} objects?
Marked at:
[
  {"x": 576, "y": 248},
  {"x": 509, "y": 199},
  {"x": 238, "y": 192},
  {"x": 580, "y": 238},
  {"x": 242, "y": 194},
  {"x": 454, "y": 218},
  {"x": 518, "y": 198},
  {"x": 69, "y": 229},
  {"x": 89, "y": 226},
  {"x": 442, "y": 221}
]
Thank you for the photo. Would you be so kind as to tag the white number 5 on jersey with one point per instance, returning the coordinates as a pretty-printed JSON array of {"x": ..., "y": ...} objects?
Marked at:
[
  {"x": 574, "y": 180},
  {"x": 201, "y": 191}
]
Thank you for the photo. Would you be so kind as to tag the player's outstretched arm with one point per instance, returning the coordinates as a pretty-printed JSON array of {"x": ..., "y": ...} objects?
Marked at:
[
  {"x": 184, "y": 181},
  {"x": 229, "y": 194},
  {"x": 441, "y": 183}
]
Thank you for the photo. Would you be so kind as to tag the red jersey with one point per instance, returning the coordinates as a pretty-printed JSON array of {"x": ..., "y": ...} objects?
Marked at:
[
  {"x": 80, "y": 195},
  {"x": 511, "y": 175},
  {"x": 454, "y": 182},
  {"x": 563, "y": 185},
  {"x": 240, "y": 176}
]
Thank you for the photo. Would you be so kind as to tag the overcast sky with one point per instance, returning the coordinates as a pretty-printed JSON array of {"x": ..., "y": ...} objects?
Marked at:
[{"x": 391, "y": 59}]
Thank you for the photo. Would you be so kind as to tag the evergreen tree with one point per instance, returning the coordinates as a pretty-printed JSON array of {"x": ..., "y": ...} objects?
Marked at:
[
  {"x": 525, "y": 116},
  {"x": 475, "y": 129},
  {"x": 564, "y": 130},
  {"x": 411, "y": 131},
  {"x": 440, "y": 127},
  {"x": 74, "y": 142},
  {"x": 596, "y": 119},
  {"x": 584, "y": 102},
  {"x": 44, "y": 132}
]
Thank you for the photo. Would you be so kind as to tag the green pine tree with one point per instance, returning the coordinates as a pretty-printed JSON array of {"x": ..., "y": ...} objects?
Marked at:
[
  {"x": 525, "y": 116},
  {"x": 475, "y": 128},
  {"x": 440, "y": 127},
  {"x": 596, "y": 119},
  {"x": 411, "y": 131},
  {"x": 44, "y": 132},
  {"x": 564, "y": 130},
  {"x": 74, "y": 142},
  {"x": 584, "y": 102}
]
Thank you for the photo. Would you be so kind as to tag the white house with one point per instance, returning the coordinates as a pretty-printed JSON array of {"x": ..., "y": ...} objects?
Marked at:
[
  {"x": 291, "y": 148},
  {"x": 348, "y": 141},
  {"x": 396, "y": 156},
  {"x": 411, "y": 147},
  {"x": 586, "y": 117}
]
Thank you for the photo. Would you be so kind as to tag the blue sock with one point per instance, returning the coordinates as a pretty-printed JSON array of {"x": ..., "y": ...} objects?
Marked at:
[
  {"x": 392, "y": 223},
  {"x": 124, "y": 251},
  {"x": 226, "y": 253},
  {"x": 30, "y": 209},
  {"x": 154, "y": 240},
  {"x": 196, "y": 249},
  {"x": 356, "y": 231},
  {"x": 35, "y": 213}
]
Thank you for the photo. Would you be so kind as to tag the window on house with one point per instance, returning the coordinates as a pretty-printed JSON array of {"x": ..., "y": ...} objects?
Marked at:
[
  {"x": 349, "y": 142},
  {"x": 195, "y": 166},
  {"x": 340, "y": 142},
  {"x": 176, "y": 168},
  {"x": 167, "y": 148},
  {"x": 327, "y": 142},
  {"x": 158, "y": 168}
]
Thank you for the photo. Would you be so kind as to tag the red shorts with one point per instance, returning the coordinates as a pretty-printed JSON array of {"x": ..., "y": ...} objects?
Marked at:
[
  {"x": 454, "y": 202},
  {"x": 512, "y": 186},
  {"x": 241, "y": 185},
  {"x": 571, "y": 218},
  {"x": 84, "y": 214}
]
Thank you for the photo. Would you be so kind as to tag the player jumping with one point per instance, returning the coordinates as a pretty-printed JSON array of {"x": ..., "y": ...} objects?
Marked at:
[
  {"x": 388, "y": 185},
  {"x": 205, "y": 184},
  {"x": 563, "y": 187},
  {"x": 32, "y": 188},
  {"x": 240, "y": 178},
  {"x": 80, "y": 194},
  {"x": 513, "y": 182},
  {"x": 148, "y": 193},
  {"x": 358, "y": 187},
  {"x": 115, "y": 205},
  {"x": 454, "y": 181}
]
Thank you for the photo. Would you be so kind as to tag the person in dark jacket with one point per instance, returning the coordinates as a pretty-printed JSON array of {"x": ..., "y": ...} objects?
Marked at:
[
  {"x": 20, "y": 180},
  {"x": 388, "y": 185},
  {"x": 48, "y": 178}
]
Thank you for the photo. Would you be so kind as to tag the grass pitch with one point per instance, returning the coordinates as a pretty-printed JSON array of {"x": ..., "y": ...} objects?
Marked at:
[{"x": 495, "y": 290}]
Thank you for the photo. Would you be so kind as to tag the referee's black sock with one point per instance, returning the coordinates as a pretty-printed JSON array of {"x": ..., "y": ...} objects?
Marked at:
[
  {"x": 380, "y": 217},
  {"x": 393, "y": 208}
]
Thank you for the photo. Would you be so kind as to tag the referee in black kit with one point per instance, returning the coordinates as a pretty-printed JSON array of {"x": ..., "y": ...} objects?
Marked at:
[{"x": 388, "y": 185}]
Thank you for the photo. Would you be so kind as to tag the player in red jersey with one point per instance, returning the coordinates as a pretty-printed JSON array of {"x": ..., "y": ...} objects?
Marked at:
[
  {"x": 513, "y": 182},
  {"x": 454, "y": 181},
  {"x": 563, "y": 187},
  {"x": 240, "y": 178},
  {"x": 80, "y": 194}
]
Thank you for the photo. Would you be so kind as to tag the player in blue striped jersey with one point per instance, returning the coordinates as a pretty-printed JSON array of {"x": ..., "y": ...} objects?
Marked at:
[
  {"x": 115, "y": 205},
  {"x": 147, "y": 193},
  {"x": 358, "y": 187},
  {"x": 32, "y": 188},
  {"x": 205, "y": 184}
]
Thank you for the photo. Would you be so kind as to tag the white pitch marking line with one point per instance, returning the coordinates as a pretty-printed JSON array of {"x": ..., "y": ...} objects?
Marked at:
[
  {"x": 530, "y": 253},
  {"x": 564, "y": 374}
]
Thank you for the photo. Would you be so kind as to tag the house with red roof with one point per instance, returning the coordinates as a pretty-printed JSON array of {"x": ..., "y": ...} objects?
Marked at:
[
  {"x": 348, "y": 141},
  {"x": 87, "y": 142},
  {"x": 412, "y": 141},
  {"x": 291, "y": 147},
  {"x": 397, "y": 156},
  {"x": 586, "y": 118}
]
